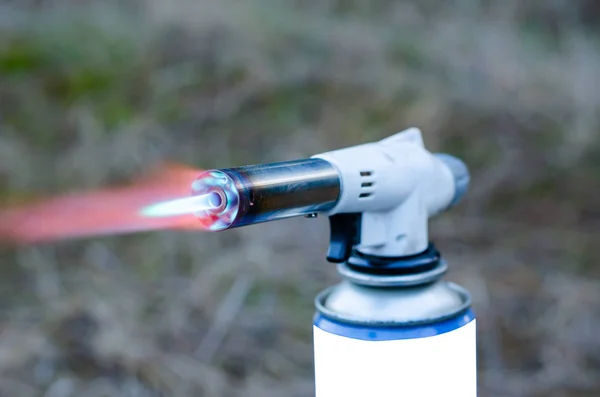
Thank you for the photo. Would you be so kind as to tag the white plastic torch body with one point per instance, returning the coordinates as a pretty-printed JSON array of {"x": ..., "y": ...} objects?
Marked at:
[{"x": 397, "y": 185}]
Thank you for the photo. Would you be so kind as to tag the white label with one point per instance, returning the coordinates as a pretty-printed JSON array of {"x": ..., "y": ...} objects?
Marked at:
[{"x": 441, "y": 365}]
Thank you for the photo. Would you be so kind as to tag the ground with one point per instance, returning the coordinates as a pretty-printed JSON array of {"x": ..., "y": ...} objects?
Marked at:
[{"x": 93, "y": 93}]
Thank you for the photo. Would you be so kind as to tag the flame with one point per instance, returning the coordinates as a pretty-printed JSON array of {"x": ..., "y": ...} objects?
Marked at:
[{"x": 107, "y": 211}]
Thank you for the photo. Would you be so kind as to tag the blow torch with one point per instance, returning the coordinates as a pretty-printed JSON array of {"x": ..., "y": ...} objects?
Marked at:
[{"x": 392, "y": 327}]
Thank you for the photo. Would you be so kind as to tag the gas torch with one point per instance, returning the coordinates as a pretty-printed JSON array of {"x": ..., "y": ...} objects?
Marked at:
[{"x": 393, "y": 326}]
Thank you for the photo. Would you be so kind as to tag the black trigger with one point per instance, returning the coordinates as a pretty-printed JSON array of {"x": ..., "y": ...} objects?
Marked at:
[{"x": 345, "y": 234}]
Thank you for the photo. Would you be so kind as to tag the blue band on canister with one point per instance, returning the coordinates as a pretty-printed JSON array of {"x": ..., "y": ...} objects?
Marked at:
[{"x": 375, "y": 333}]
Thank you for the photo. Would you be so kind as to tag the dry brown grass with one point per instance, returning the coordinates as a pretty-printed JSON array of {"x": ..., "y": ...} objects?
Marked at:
[{"x": 94, "y": 93}]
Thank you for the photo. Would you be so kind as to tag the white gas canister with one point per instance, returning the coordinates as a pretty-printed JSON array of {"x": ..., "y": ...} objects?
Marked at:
[{"x": 417, "y": 341}]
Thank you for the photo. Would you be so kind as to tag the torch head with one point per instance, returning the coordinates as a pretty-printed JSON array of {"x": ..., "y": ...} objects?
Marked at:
[
  {"x": 378, "y": 196},
  {"x": 395, "y": 185}
]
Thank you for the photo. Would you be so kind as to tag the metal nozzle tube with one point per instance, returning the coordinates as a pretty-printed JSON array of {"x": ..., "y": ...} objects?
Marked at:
[{"x": 261, "y": 193}]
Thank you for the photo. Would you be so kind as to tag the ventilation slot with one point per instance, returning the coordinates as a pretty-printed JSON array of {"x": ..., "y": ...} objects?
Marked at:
[{"x": 367, "y": 182}]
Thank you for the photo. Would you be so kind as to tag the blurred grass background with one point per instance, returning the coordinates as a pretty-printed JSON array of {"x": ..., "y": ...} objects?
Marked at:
[{"x": 94, "y": 92}]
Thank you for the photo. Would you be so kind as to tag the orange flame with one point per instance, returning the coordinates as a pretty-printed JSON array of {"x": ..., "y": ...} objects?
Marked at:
[{"x": 101, "y": 212}]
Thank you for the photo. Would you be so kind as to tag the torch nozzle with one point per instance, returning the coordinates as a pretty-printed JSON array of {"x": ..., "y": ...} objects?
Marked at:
[{"x": 265, "y": 192}]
